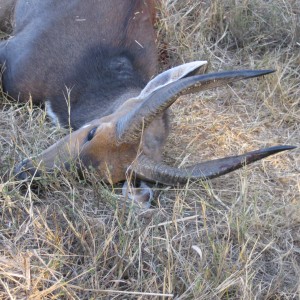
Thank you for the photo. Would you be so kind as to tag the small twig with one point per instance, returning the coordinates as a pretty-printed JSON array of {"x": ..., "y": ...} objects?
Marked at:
[{"x": 167, "y": 223}]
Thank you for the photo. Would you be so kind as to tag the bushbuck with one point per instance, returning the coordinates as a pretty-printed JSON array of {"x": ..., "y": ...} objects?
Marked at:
[{"x": 94, "y": 64}]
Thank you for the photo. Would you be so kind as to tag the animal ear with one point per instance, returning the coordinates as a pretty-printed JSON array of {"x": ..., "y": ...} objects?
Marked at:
[{"x": 172, "y": 75}]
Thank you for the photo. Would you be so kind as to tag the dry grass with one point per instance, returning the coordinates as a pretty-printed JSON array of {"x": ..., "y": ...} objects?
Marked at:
[{"x": 236, "y": 237}]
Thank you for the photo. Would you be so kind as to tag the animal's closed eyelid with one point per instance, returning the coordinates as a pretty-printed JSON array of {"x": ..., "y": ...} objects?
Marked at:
[{"x": 91, "y": 133}]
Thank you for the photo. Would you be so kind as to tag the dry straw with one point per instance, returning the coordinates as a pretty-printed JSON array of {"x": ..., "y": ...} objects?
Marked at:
[{"x": 236, "y": 237}]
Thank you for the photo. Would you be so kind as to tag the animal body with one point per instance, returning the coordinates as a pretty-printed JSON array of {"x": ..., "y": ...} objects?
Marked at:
[{"x": 93, "y": 63}]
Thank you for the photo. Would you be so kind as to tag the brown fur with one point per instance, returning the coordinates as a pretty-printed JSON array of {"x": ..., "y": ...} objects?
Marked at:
[
  {"x": 91, "y": 61},
  {"x": 57, "y": 44},
  {"x": 104, "y": 53}
]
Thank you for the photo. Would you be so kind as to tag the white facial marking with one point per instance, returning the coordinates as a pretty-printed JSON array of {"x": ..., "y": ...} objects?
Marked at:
[
  {"x": 51, "y": 114},
  {"x": 86, "y": 125}
]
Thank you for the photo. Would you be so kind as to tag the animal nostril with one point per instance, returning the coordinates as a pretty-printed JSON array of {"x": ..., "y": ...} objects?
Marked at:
[
  {"x": 22, "y": 175},
  {"x": 136, "y": 183},
  {"x": 22, "y": 171},
  {"x": 20, "y": 166}
]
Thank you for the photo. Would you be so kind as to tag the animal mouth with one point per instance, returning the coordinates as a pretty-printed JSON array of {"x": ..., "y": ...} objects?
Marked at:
[{"x": 24, "y": 170}]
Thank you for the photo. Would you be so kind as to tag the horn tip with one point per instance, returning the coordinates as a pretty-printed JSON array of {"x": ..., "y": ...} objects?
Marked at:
[
  {"x": 257, "y": 73},
  {"x": 268, "y": 71},
  {"x": 277, "y": 149}
]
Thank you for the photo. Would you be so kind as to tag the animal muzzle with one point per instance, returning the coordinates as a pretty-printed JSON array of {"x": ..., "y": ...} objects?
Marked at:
[{"x": 25, "y": 170}]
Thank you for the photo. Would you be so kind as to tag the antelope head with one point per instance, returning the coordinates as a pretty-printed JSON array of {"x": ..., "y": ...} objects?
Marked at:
[{"x": 118, "y": 144}]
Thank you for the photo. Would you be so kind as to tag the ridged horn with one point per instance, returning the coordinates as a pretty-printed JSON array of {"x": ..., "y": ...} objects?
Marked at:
[
  {"x": 149, "y": 170},
  {"x": 130, "y": 126}
]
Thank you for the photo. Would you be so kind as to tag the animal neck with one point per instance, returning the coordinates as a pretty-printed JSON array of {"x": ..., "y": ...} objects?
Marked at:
[
  {"x": 97, "y": 89},
  {"x": 86, "y": 109}
]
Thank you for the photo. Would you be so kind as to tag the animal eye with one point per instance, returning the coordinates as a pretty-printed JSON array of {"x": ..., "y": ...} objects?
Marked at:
[{"x": 91, "y": 133}]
